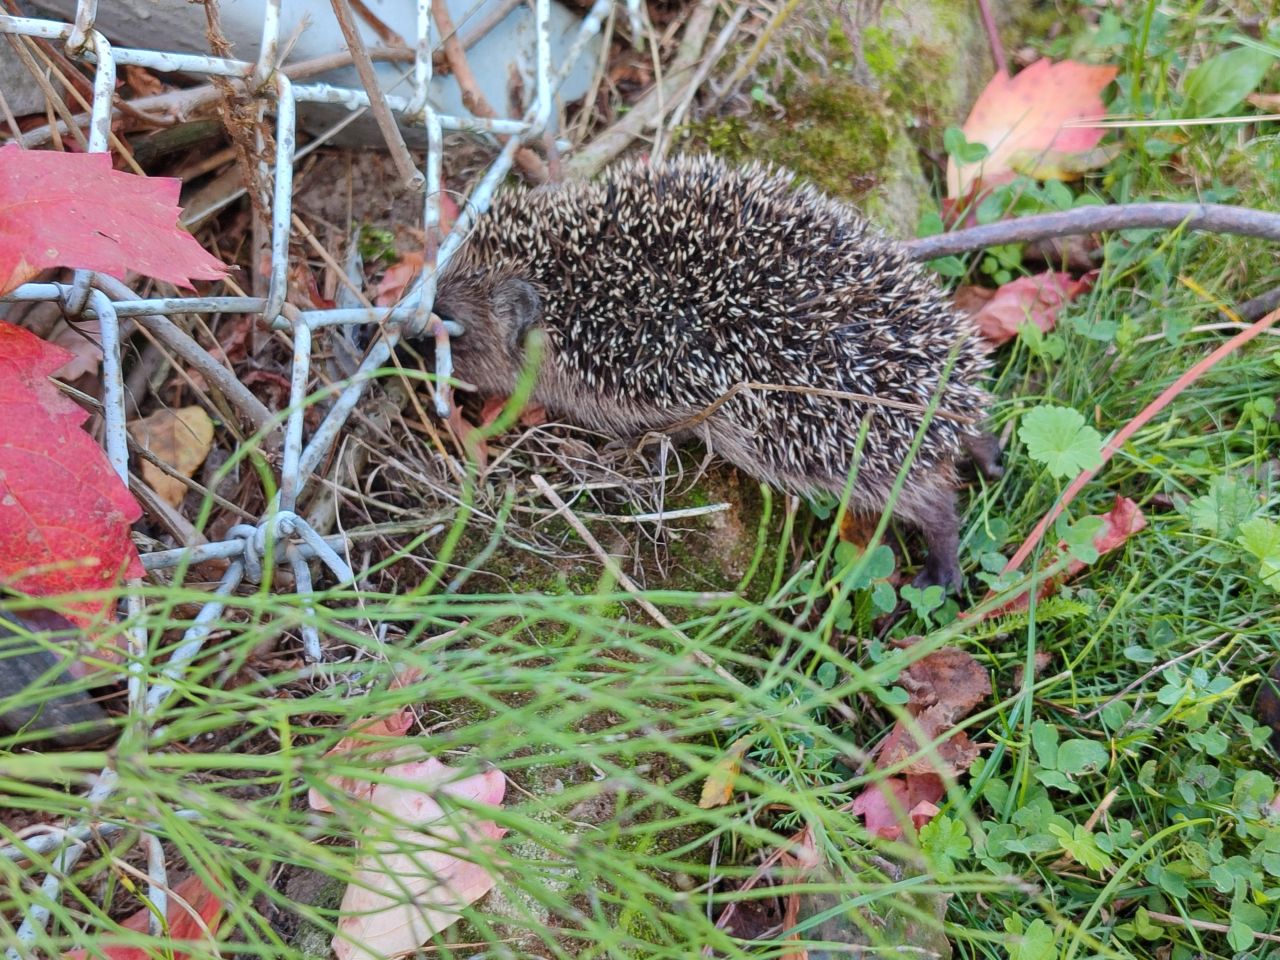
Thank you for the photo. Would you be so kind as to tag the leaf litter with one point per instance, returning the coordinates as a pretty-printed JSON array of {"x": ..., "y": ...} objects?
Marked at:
[{"x": 426, "y": 860}]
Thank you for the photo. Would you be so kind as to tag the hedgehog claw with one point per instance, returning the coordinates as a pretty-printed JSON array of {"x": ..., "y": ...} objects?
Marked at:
[{"x": 940, "y": 571}]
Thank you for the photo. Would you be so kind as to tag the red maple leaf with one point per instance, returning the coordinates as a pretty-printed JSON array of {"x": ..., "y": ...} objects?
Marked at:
[
  {"x": 180, "y": 924},
  {"x": 1025, "y": 121},
  {"x": 64, "y": 513},
  {"x": 73, "y": 210}
]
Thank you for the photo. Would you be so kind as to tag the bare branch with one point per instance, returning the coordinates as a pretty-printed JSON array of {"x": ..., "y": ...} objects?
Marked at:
[{"x": 1209, "y": 217}]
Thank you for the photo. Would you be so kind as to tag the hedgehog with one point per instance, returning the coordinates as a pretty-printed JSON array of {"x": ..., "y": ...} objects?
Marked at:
[{"x": 730, "y": 304}]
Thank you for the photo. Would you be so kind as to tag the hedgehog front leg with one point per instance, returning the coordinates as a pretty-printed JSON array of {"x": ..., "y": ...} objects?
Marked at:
[{"x": 934, "y": 512}]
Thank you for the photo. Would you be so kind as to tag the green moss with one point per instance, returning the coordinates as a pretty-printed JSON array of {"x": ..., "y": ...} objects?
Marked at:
[{"x": 833, "y": 132}]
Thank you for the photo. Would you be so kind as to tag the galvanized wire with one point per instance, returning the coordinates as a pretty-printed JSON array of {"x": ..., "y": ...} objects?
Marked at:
[{"x": 280, "y": 532}]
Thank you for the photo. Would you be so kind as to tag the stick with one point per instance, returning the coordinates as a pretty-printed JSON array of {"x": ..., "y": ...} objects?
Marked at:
[
  {"x": 1203, "y": 925},
  {"x": 993, "y": 37},
  {"x": 1259, "y": 306},
  {"x": 411, "y": 177},
  {"x": 647, "y": 111},
  {"x": 1210, "y": 217},
  {"x": 529, "y": 162}
]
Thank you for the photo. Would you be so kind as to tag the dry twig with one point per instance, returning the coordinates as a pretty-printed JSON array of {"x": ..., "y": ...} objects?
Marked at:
[
  {"x": 410, "y": 175},
  {"x": 627, "y": 584},
  {"x": 648, "y": 111},
  {"x": 1210, "y": 217},
  {"x": 529, "y": 162}
]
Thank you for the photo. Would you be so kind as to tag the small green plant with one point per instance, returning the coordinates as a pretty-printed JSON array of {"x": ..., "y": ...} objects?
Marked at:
[{"x": 1059, "y": 438}]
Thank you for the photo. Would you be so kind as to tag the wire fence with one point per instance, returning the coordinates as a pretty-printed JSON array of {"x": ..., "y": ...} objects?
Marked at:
[{"x": 281, "y": 535}]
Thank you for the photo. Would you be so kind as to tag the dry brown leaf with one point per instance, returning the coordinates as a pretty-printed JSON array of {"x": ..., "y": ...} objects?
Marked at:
[
  {"x": 143, "y": 82},
  {"x": 718, "y": 787},
  {"x": 81, "y": 341},
  {"x": 970, "y": 299},
  {"x": 182, "y": 439},
  {"x": 1265, "y": 101},
  {"x": 1035, "y": 299},
  {"x": 949, "y": 678},
  {"x": 952, "y": 756},
  {"x": 942, "y": 688}
]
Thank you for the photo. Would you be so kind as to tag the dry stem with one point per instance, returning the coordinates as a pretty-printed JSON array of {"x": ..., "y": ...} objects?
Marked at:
[
  {"x": 529, "y": 162},
  {"x": 410, "y": 175},
  {"x": 1210, "y": 217},
  {"x": 625, "y": 581}
]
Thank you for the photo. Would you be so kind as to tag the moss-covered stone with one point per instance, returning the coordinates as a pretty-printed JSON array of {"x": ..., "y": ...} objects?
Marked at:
[{"x": 849, "y": 106}]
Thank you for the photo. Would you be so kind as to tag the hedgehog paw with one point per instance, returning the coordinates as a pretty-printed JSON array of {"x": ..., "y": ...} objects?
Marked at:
[{"x": 942, "y": 571}]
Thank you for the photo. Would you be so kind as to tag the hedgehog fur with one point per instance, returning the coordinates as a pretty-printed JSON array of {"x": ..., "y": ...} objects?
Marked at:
[{"x": 659, "y": 287}]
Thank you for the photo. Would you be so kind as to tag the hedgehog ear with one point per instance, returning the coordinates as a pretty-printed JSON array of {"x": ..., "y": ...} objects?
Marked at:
[{"x": 517, "y": 302}]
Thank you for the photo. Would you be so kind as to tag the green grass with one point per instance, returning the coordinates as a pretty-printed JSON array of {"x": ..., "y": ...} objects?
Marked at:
[{"x": 607, "y": 727}]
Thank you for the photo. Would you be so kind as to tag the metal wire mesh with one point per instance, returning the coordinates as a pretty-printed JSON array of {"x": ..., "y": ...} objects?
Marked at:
[{"x": 281, "y": 531}]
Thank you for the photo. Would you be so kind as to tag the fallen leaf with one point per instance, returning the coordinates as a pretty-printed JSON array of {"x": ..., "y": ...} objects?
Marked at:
[
  {"x": 533, "y": 414},
  {"x": 952, "y": 756},
  {"x": 363, "y": 739},
  {"x": 1022, "y": 118},
  {"x": 391, "y": 288},
  {"x": 801, "y": 857},
  {"x": 74, "y": 210},
  {"x": 1120, "y": 523},
  {"x": 181, "y": 925},
  {"x": 950, "y": 679},
  {"x": 887, "y": 805},
  {"x": 82, "y": 342},
  {"x": 1264, "y": 101},
  {"x": 1061, "y": 165},
  {"x": 1036, "y": 299},
  {"x": 970, "y": 299},
  {"x": 143, "y": 82},
  {"x": 858, "y": 528},
  {"x": 718, "y": 787},
  {"x": 64, "y": 513},
  {"x": 37, "y": 689},
  {"x": 942, "y": 688},
  {"x": 182, "y": 439},
  {"x": 412, "y": 883}
]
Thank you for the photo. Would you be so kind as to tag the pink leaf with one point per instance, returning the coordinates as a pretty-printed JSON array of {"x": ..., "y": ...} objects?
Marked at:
[
  {"x": 1021, "y": 120},
  {"x": 885, "y": 806},
  {"x": 414, "y": 883},
  {"x": 417, "y": 874},
  {"x": 182, "y": 925},
  {"x": 1122, "y": 521},
  {"x": 1034, "y": 299}
]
